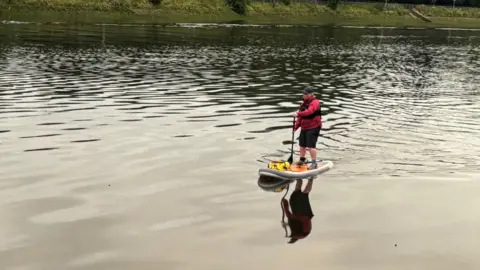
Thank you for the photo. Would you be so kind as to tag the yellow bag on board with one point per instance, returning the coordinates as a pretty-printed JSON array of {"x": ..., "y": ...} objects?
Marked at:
[{"x": 279, "y": 165}]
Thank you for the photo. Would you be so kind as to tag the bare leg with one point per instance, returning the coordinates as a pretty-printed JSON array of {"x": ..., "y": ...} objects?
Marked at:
[
  {"x": 298, "y": 186},
  {"x": 313, "y": 153},
  {"x": 309, "y": 185},
  {"x": 303, "y": 152}
]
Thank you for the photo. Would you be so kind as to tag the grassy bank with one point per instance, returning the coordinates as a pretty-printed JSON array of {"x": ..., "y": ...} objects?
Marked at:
[
  {"x": 190, "y": 6},
  {"x": 201, "y": 11},
  {"x": 360, "y": 10}
]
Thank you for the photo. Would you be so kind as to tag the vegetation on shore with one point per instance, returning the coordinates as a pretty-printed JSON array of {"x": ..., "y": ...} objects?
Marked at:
[
  {"x": 190, "y": 6},
  {"x": 253, "y": 11},
  {"x": 359, "y": 10}
]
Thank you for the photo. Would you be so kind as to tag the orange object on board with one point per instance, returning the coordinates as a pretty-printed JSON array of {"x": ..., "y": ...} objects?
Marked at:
[{"x": 299, "y": 168}]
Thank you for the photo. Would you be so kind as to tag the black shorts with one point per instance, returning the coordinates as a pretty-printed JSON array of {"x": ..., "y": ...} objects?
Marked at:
[
  {"x": 308, "y": 137},
  {"x": 300, "y": 204}
]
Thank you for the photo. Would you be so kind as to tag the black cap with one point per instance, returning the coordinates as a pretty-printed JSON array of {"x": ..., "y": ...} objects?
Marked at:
[{"x": 308, "y": 90}]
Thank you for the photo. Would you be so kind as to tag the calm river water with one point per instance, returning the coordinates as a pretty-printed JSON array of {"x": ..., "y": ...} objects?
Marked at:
[{"x": 137, "y": 147}]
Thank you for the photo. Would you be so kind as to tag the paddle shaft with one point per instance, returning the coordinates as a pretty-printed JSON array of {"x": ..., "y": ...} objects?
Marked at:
[
  {"x": 290, "y": 159},
  {"x": 283, "y": 210}
]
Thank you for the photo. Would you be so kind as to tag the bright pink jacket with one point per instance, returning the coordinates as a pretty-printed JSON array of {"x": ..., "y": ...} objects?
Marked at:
[{"x": 313, "y": 105}]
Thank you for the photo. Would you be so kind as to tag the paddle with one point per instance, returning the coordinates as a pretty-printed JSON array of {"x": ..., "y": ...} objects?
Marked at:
[
  {"x": 284, "y": 224},
  {"x": 290, "y": 159}
]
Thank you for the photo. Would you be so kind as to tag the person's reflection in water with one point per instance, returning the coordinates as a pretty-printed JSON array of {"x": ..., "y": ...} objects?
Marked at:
[{"x": 300, "y": 218}]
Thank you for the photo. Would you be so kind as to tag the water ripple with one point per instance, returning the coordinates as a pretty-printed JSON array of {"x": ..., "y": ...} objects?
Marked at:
[{"x": 153, "y": 115}]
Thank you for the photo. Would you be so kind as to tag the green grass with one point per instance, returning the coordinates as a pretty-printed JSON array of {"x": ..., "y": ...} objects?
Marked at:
[
  {"x": 358, "y": 10},
  {"x": 292, "y": 9},
  {"x": 254, "y": 8},
  {"x": 368, "y": 10},
  {"x": 373, "y": 21},
  {"x": 297, "y": 9},
  {"x": 436, "y": 11},
  {"x": 76, "y": 5},
  {"x": 128, "y": 11},
  {"x": 366, "y": 14},
  {"x": 195, "y": 6},
  {"x": 349, "y": 11},
  {"x": 187, "y": 6}
]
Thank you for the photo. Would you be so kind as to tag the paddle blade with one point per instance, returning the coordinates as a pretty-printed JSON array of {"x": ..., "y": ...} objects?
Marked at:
[{"x": 290, "y": 159}]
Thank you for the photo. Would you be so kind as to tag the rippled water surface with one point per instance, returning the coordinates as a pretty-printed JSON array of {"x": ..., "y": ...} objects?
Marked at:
[{"x": 137, "y": 147}]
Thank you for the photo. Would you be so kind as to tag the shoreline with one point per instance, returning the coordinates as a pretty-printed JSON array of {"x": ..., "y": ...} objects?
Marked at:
[{"x": 367, "y": 15}]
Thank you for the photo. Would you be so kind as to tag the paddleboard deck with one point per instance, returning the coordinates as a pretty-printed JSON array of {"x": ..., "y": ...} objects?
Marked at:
[{"x": 298, "y": 172}]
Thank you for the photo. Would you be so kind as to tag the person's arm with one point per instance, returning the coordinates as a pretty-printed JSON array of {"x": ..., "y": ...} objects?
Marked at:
[
  {"x": 298, "y": 123},
  {"x": 314, "y": 105},
  {"x": 286, "y": 208}
]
